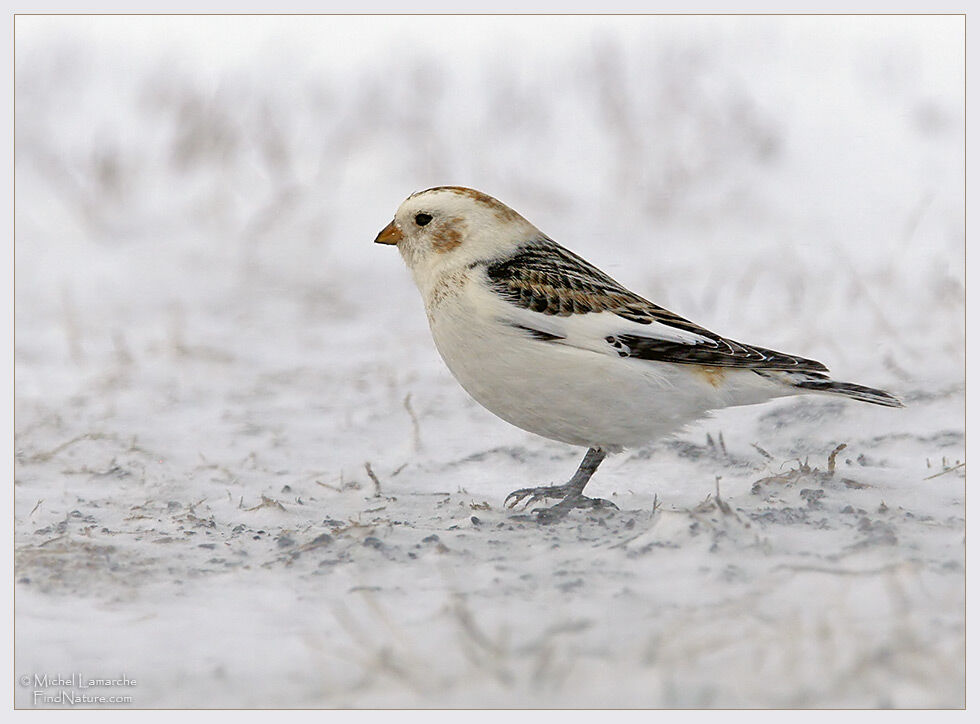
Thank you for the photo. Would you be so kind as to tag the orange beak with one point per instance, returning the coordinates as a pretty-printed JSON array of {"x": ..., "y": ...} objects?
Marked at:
[{"x": 391, "y": 234}]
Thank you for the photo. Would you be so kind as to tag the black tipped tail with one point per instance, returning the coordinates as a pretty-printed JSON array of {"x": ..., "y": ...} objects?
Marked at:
[{"x": 855, "y": 392}]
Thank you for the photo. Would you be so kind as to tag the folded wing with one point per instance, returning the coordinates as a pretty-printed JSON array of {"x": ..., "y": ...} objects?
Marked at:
[{"x": 558, "y": 297}]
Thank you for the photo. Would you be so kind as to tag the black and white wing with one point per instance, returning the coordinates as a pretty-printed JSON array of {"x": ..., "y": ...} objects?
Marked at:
[{"x": 556, "y": 296}]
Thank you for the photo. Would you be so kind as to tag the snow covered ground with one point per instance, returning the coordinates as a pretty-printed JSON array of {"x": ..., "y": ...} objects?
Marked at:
[{"x": 245, "y": 479}]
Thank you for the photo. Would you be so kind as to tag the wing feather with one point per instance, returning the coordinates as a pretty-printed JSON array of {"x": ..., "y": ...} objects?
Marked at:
[{"x": 564, "y": 299}]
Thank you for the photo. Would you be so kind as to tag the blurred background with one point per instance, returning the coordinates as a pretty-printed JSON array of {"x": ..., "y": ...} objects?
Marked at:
[
  {"x": 793, "y": 180},
  {"x": 206, "y": 332}
]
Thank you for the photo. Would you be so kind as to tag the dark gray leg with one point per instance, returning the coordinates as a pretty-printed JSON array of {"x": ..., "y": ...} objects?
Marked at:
[{"x": 570, "y": 493}]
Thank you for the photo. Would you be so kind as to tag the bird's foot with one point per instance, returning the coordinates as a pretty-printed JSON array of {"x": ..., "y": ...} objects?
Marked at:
[
  {"x": 569, "y": 495},
  {"x": 543, "y": 492}
]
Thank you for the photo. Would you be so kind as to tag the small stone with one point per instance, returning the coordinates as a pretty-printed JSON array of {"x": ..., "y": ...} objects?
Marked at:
[{"x": 812, "y": 496}]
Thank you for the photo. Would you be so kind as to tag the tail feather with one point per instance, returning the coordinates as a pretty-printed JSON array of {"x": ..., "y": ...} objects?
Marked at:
[
  {"x": 855, "y": 392},
  {"x": 819, "y": 383}
]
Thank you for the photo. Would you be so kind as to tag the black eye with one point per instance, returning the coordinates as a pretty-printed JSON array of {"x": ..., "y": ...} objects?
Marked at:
[{"x": 422, "y": 219}]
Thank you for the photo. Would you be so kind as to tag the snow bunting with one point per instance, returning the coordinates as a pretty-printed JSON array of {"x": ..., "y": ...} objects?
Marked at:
[{"x": 553, "y": 345}]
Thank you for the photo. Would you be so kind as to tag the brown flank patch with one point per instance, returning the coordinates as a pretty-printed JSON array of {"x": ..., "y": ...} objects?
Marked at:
[{"x": 714, "y": 376}]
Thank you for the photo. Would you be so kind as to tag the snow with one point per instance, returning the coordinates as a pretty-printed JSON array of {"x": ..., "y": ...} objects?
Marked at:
[{"x": 214, "y": 364}]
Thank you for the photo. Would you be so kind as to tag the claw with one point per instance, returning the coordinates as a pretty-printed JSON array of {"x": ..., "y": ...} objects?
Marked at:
[
  {"x": 518, "y": 496},
  {"x": 535, "y": 495},
  {"x": 569, "y": 499}
]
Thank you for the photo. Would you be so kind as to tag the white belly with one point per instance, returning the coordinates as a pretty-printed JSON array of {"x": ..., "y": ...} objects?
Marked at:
[{"x": 573, "y": 395}]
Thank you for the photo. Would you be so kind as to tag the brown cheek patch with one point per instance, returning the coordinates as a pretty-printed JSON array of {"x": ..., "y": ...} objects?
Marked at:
[
  {"x": 714, "y": 376},
  {"x": 448, "y": 236}
]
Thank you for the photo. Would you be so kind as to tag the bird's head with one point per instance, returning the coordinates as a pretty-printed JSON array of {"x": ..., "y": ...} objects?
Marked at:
[{"x": 448, "y": 227}]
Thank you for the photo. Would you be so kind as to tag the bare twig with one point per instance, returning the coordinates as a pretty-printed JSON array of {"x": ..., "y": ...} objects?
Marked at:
[
  {"x": 416, "y": 433},
  {"x": 843, "y": 571},
  {"x": 947, "y": 470},
  {"x": 374, "y": 479},
  {"x": 48, "y": 454},
  {"x": 722, "y": 505},
  {"x": 266, "y": 503},
  {"x": 832, "y": 460}
]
